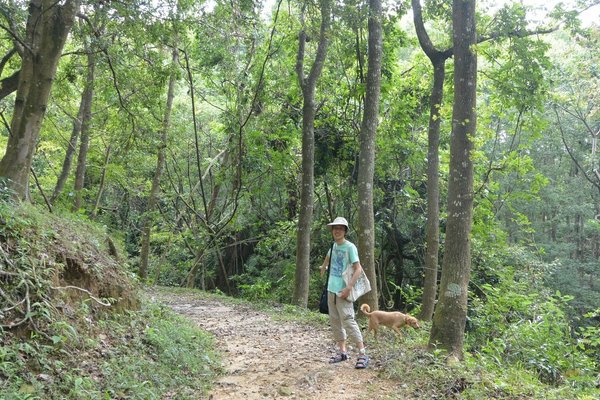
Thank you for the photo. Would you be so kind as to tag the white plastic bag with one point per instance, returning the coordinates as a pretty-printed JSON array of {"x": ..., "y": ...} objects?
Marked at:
[{"x": 361, "y": 286}]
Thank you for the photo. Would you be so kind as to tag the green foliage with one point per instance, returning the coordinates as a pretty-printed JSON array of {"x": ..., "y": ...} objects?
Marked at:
[
  {"x": 579, "y": 280},
  {"x": 26, "y": 267},
  {"x": 515, "y": 325},
  {"x": 428, "y": 374},
  {"x": 59, "y": 344},
  {"x": 172, "y": 259},
  {"x": 243, "y": 140},
  {"x": 269, "y": 273},
  {"x": 589, "y": 337},
  {"x": 132, "y": 355},
  {"x": 410, "y": 295},
  {"x": 162, "y": 343},
  {"x": 260, "y": 289}
]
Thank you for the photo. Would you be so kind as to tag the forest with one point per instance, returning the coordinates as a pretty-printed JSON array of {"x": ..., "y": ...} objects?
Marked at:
[{"x": 212, "y": 142}]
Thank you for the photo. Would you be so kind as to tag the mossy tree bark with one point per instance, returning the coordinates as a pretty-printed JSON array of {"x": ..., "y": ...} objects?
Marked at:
[
  {"x": 308, "y": 85},
  {"x": 48, "y": 25},
  {"x": 366, "y": 167},
  {"x": 449, "y": 320}
]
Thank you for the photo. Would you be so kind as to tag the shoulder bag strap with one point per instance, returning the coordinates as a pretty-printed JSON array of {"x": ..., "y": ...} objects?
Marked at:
[{"x": 329, "y": 267}]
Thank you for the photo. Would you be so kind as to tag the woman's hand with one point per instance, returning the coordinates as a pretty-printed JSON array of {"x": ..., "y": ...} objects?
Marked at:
[
  {"x": 345, "y": 293},
  {"x": 323, "y": 268}
]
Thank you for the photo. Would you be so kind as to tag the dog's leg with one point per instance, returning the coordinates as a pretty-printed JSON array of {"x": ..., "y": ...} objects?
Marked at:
[
  {"x": 397, "y": 330},
  {"x": 368, "y": 329}
]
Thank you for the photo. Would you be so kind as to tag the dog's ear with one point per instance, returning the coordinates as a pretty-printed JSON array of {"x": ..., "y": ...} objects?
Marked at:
[{"x": 412, "y": 321}]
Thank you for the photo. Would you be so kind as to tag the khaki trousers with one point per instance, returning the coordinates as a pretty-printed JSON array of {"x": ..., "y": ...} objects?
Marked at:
[{"x": 341, "y": 317}]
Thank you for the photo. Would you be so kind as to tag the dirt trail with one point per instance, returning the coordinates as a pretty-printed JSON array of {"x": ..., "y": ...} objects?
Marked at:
[{"x": 265, "y": 358}]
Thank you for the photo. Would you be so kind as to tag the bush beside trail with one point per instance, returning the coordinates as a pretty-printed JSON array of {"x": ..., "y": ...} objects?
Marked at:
[{"x": 74, "y": 324}]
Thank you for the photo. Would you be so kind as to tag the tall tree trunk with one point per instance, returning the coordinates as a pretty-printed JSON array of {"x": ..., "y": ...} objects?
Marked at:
[
  {"x": 80, "y": 170},
  {"x": 102, "y": 182},
  {"x": 160, "y": 164},
  {"x": 449, "y": 320},
  {"x": 48, "y": 25},
  {"x": 84, "y": 116},
  {"x": 70, "y": 153},
  {"x": 433, "y": 194},
  {"x": 366, "y": 165},
  {"x": 308, "y": 85},
  {"x": 438, "y": 60},
  {"x": 85, "y": 132}
]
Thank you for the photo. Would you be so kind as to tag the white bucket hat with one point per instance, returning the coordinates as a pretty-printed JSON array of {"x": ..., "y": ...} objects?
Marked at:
[{"x": 339, "y": 221}]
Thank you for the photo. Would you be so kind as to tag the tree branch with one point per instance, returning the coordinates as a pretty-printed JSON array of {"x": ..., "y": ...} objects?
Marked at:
[
  {"x": 97, "y": 300},
  {"x": 9, "y": 84},
  {"x": 562, "y": 136},
  {"x": 6, "y": 58}
]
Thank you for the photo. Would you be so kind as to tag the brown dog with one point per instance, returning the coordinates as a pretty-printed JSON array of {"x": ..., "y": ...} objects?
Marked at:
[{"x": 394, "y": 320}]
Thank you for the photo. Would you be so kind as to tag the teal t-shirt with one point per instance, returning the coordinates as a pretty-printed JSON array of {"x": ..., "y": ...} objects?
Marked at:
[{"x": 344, "y": 255}]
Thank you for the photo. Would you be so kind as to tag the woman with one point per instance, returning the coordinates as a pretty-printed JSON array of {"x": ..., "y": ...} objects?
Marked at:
[{"x": 343, "y": 255}]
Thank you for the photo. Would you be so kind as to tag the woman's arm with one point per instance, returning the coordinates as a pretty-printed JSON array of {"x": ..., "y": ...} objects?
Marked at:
[{"x": 323, "y": 266}]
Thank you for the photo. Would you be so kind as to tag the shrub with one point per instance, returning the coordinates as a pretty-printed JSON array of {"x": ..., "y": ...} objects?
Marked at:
[{"x": 514, "y": 325}]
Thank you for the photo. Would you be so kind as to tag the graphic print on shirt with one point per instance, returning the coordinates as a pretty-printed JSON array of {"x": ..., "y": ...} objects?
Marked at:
[{"x": 338, "y": 262}]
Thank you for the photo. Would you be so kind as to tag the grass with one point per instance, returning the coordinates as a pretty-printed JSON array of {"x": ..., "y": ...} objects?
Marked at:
[
  {"x": 428, "y": 375},
  {"x": 136, "y": 354},
  {"x": 146, "y": 354},
  {"x": 60, "y": 343}
]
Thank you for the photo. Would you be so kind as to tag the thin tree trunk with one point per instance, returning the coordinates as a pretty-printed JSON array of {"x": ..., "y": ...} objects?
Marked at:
[
  {"x": 80, "y": 170},
  {"x": 48, "y": 26},
  {"x": 191, "y": 277},
  {"x": 85, "y": 131},
  {"x": 160, "y": 164},
  {"x": 447, "y": 331},
  {"x": 102, "y": 182},
  {"x": 366, "y": 166},
  {"x": 84, "y": 116},
  {"x": 37, "y": 183},
  {"x": 308, "y": 85},
  {"x": 438, "y": 61},
  {"x": 70, "y": 153},
  {"x": 433, "y": 195}
]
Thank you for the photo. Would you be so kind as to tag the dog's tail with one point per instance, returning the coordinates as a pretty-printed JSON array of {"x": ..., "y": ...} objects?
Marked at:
[{"x": 365, "y": 309}]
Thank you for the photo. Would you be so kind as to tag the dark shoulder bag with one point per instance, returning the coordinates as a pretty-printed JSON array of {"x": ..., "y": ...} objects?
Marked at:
[{"x": 323, "y": 303}]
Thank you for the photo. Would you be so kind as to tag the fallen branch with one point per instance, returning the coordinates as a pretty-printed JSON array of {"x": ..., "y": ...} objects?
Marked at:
[
  {"x": 97, "y": 300},
  {"x": 8, "y": 262},
  {"x": 8, "y": 273},
  {"x": 27, "y": 314},
  {"x": 11, "y": 301}
]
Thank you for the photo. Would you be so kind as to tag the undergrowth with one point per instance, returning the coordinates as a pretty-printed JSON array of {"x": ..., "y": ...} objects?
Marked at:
[
  {"x": 146, "y": 354},
  {"x": 430, "y": 375},
  {"x": 72, "y": 325}
]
